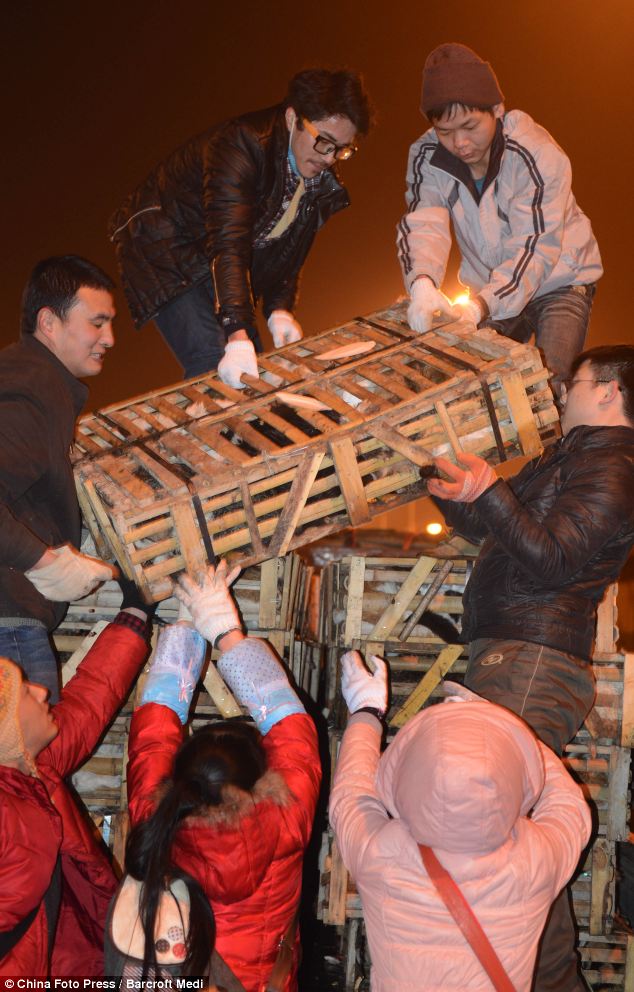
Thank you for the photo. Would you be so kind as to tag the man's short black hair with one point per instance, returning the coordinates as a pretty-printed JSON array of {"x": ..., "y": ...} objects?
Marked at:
[
  {"x": 451, "y": 109},
  {"x": 319, "y": 93},
  {"x": 54, "y": 283},
  {"x": 612, "y": 361}
]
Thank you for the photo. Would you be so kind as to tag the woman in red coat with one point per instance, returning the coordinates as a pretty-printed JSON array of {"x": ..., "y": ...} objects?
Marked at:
[
  {"x": 54, "y": 877},
  {"x": 230, "y": 810}
]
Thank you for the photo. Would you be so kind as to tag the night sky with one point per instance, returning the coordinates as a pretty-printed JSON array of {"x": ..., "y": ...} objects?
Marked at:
[{"x": 96, "y": 94}]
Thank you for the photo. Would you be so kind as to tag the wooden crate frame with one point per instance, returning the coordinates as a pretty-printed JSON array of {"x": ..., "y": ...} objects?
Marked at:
[{"x": 182, "y": 495}]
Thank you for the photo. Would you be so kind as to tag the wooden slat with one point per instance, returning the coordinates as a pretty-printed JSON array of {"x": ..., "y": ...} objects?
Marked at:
[
  {"x": 189, "y": 539},
  {"x": 416, "y": 453},
  {"x": 402, "y": 599},
  {"x": 445, "y": 420},
  {"x": 350, "y": 481},
  {"x": 521, "y": 413},
  {"x": 300, "y": 490},
  {"x": 251, "y": 519},
  {"x": 416, "y": 700},
  {"x": 220, "y": 693},
  {"x": 354, "y": 611}
]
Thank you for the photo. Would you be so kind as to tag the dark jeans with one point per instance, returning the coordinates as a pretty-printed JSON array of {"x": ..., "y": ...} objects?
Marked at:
[
  {"x": 31, "y": 649},
  {"x": 553, "y": 691},
  {"x": 189, "y": 327},
  {"x": 559, "y": 321}
]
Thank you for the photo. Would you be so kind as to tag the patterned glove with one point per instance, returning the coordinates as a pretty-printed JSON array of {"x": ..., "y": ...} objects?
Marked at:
[
  {"x": 466, "y": 485},
  {"x": 259, "y": 682},
  {"x": 212, "y": 607},
  {"x": 284, "y": 328},
  {"x": 239, "y": 358},
  {"x": 70, "y": 576},
  {"x": 425, "y": 301},
  {"x": 359, "y": 687},
  {"x": 175, "y": 669}
]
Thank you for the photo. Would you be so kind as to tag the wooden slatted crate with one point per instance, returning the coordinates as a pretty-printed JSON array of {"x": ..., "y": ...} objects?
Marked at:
[{"x": 255, "y": 481}]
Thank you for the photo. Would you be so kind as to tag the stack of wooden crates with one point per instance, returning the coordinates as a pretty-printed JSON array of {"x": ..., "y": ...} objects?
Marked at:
[{"x": 334, "y": 432}]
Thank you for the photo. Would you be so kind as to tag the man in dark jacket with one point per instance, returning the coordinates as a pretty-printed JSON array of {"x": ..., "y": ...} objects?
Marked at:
[
  {"x": 67, "y": 314},
  {"x": 554, "y": 538},
  {"x": 229, "y": 218}
]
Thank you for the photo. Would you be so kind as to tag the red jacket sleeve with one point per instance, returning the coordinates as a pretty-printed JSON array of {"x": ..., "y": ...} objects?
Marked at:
[
  {"x": 292, "y": 751},
  {"x": 156, "y": 734},
  {"x": 93, "y": 696}
]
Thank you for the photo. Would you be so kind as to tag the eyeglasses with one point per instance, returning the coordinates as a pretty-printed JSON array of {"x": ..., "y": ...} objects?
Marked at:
[
  {"x": 326, "y": 146},
  {"x": 568, "y": 384}
]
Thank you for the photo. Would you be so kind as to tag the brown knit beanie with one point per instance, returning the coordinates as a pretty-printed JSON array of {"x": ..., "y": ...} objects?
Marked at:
[
  {"x": 11, "y": 740},
  {"x": 454, "y": 73}
]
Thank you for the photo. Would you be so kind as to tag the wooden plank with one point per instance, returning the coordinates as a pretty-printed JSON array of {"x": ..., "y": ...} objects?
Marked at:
[
  {"x": 220, "y": 693},
  {"x": 350, "y": 481},
  {"x": 606, "y": 631},
  {"x": 189, "y": 538},
  {"x": 521, "y": 412},
  {"x": 416, "y": 700},
  {"x": 269, "y": 571},
  {"x": 190, "y": 453},
  {"x": 393, "y": 614},
  {"x": 70, "y": 667},
  {"x": 445, "y": 420},
  {"x": 354, "y": 608},
  {"x": 168, "y": 480},
  {"x": 602, "y": 884},
  {"x": 210, "y": 434},
  {"x": 295, "y": 502},
  {"x": 627, "y": 722},
  {"x": 251, "y": 519},
  {"x": 412, "y": 450},
  {"x": 618, "y": 821},
  {"x": 118, "y": 549},
  {"x": 628, "y": 985}
]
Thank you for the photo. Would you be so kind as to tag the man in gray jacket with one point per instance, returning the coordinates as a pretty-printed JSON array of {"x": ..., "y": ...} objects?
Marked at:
[
  {"x": 528, "y": 254},
  {"x": 67, "y": 314}
]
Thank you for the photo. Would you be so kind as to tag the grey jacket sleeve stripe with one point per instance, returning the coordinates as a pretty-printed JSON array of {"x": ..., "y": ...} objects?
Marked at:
[
  {"x": 538, "y": 219},
  {"x": 402, "y": 242}
]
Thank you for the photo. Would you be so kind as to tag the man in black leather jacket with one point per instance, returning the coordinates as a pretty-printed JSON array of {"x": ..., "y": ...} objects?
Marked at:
[
  {"x": 229, "y": 218},
  {"x": 554, "y": 538}
]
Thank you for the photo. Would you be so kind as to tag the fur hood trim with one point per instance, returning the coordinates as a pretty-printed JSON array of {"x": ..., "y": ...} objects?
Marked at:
[{"x": 238, "y": 803}]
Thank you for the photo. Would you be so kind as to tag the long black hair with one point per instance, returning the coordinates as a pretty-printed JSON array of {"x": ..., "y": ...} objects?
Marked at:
[{"x": 227, "y": 753}]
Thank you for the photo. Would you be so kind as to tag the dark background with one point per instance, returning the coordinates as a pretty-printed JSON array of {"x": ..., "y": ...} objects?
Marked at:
[{"x": 95, "y": 94}]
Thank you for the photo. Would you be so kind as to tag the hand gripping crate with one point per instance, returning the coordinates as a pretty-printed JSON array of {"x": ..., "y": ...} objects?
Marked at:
[{"x": 273, "y": 473}]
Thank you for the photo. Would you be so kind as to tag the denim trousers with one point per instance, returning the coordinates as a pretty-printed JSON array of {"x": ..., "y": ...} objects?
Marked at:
[
  {"x": 189, "y": 326},
  {"x": 31, "y": 649},
  {"x": 559, "y": 320},
  {"x": 553, "y": 692}
]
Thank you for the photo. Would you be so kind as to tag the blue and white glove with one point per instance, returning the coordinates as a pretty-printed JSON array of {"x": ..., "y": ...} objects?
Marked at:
[
  {"x": 259, "y": 682},
  {"x": 175, "y": 669}
]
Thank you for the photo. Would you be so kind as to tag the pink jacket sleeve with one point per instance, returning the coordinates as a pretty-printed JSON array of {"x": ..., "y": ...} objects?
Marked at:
[{"x": 356, "y": 812}]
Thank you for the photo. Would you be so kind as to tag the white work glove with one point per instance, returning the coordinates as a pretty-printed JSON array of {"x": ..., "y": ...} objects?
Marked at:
[
  {"x": 71, "y": 576},
  {"x": 239, "y": 358},
  {"x": 359, "y": 687},
  {"x": 467, "y": 484},
  {"x": 469, "y": 312},
  {"x": 212, "y": 607},
  {"x": 425, "y": 301},
  {"x": 284, "y": 328}
]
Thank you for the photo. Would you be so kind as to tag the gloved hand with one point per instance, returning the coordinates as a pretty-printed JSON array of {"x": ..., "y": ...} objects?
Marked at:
[
  {"x": 175, "y": 669},
  {"x": 132, "y": 598},
  {"x": 239, "y": 357},
  {"x": 425, "y": 301},
  {"x": 69, "y": 575},
  {"x": 467, "y": 484},
  {"x": 210, "y": 602},
  {"x": 469, "y": 312},
  {"x": 359, "y": 687},
  {"x": 258, "y": 681},
  {"x": 284, "y": 328}
]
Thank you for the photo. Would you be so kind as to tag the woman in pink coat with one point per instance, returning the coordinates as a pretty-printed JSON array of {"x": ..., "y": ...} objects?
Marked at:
[{"x": 470, "y": 780}]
